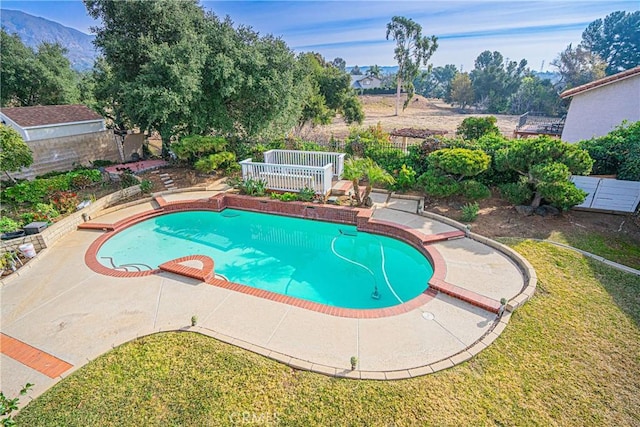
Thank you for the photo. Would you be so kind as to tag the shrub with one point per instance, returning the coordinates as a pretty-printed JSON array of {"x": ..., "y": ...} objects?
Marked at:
[
  {"x": 359, "y": 140},
  {"x": 387, "y": 157},
  {"x": 7, "y": 225},
  {"x": 192, "y": 147},
  {"x": 406, "y": 178},
  {"x": 562, "y": 194},
  {"x": 284, "y": 197},
  {"x": 128, "y": 179},
  {"x": 546, "y": 165},
  {"x": 216, "y": 161},
  {"x": 306, "y": 194},
  {"x": 45, "y": 212},
  {"x": 473, "y": 128},
  {"x": 516, "y": 193},
  {"x": 419, "y": 153},
  {"x": 253, "y": 187},
  {"x": 492, "y": 144},
  {"x": 146, "y": 186},
  {"x": 39, "y": 189},
  {"x": 64, "y": 201},
  {"x": 102, "y": 163},
  {"x": 438, "y": 185},
  {"x": 617, "y": 153},
  {"x": 474, "y": 190},
  {"x": 470, "y": 212},
  {"x": 83, "y": 178},
  {"x": 460, "y": 161}
]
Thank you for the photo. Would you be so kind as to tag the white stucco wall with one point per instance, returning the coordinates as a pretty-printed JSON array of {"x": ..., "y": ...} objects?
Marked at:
[{"x": 597, "y": 111}]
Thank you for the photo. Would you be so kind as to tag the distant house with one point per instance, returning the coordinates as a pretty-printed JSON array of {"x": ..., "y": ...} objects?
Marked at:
[
  {"x": 52, "y": 121},
  {"x": 598, "y": 107},
  {"x": 361, "y": 82},
  {"x": 61, "y": 137}
]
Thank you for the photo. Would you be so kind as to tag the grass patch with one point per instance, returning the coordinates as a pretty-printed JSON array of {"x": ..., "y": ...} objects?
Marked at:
[
  {"x": 620, "y": 249},
  {"x": 570, "y": 357}
]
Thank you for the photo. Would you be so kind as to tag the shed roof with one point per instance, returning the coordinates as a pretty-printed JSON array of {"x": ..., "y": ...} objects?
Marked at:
[
  {"x": 42, "y": 115},
  {"x": 601, "y": 82}
]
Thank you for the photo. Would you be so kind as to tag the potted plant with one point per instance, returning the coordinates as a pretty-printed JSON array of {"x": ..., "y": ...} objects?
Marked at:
[{"x": 354, "y": 362}]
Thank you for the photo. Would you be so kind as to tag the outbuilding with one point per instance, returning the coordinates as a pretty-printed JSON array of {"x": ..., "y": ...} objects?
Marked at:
[{"x": 598, "y": 107}]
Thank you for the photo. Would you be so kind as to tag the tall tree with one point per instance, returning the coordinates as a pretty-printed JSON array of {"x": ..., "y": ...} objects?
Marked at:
[
  {"x": 355, "y": 71},
  {"x": 412, "y": 51},
  {"x": 41, "y": 77},
  {"x": 155, "y": 63},
  {"x": 252, "y": 85},
  {"x": 616, "y": 39},
  {"x": 57, "y": 82},
  {"x": 495, "y": 79},
  {"x": 436, "y": 83},
  {"x": 330, "y": 93},
  {"x": 578, "y": 66},
  {"x": 340, "y": 64},
  {"x": 535, "y": 94},
  {"x": 461, "y": 90}
]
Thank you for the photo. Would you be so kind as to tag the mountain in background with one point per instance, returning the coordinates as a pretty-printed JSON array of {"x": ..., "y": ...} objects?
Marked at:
[{"x": 34, "y": 30}]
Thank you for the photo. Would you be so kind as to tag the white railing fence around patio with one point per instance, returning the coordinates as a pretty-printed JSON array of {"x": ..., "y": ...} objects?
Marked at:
[
  {"x": 293, "y": 178},
  {"x": 306, "y": 158}
]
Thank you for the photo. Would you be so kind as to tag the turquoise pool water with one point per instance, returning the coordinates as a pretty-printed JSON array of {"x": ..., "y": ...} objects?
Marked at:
[{"x": 323, "y": 262}]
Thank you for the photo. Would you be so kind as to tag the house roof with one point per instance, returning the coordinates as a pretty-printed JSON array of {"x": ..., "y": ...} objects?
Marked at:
[
  {"x": 601, "y": 82},
  {"x": 43, "y": 115}
]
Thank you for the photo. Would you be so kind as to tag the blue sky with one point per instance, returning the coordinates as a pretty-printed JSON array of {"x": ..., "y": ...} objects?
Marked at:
[{"x": 355, "y": 30}]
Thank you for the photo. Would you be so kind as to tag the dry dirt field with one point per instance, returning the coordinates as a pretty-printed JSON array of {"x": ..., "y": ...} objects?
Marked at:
[{"x": 422, "y": 113}]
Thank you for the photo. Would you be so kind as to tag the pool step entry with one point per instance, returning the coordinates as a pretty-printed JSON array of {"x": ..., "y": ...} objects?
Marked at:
[{"x": 185, "y": 266}]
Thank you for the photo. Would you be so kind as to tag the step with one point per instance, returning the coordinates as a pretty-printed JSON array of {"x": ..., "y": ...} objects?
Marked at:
[
  {"x": 170, "y": 181},
  {"x": 341, "y": 188}
]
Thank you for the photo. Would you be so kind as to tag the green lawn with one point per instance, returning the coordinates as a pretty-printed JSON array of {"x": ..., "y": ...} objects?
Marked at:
[
  {"x": 619, "y": 248},
  {"x": 569, "y": 357}
]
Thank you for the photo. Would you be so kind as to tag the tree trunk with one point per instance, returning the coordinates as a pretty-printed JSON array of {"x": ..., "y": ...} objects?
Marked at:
[
  {"x": 536, "y": 200},
  {"x": 166, "y": 143},
  {"x": 356, "y": 190},
  {"x": 398, "y": 89}
]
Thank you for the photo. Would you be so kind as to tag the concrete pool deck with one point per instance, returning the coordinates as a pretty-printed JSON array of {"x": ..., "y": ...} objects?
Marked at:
[{"x": 59, "y": 313}]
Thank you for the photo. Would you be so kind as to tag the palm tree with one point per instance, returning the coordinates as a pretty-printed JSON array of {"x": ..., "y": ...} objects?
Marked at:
[{"x": 358, "y": 170}]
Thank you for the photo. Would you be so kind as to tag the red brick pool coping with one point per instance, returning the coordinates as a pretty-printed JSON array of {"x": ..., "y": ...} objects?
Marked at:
[{"x": 341, "y": 214}]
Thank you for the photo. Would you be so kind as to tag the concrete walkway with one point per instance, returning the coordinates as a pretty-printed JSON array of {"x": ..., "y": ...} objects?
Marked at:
[{"x": 68, "y": 314}]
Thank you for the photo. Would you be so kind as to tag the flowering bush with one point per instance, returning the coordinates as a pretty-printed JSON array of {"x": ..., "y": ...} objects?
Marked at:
[{"x": 64, "y": 201}]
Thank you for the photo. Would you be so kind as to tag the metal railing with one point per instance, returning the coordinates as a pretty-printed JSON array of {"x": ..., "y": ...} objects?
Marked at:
[
  {"x": 307, "y": 158},
  {"x": 284, "y": 177}
]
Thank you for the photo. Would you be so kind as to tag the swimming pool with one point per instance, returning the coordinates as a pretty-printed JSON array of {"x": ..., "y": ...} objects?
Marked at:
[{"x": 323, "y": 262}]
